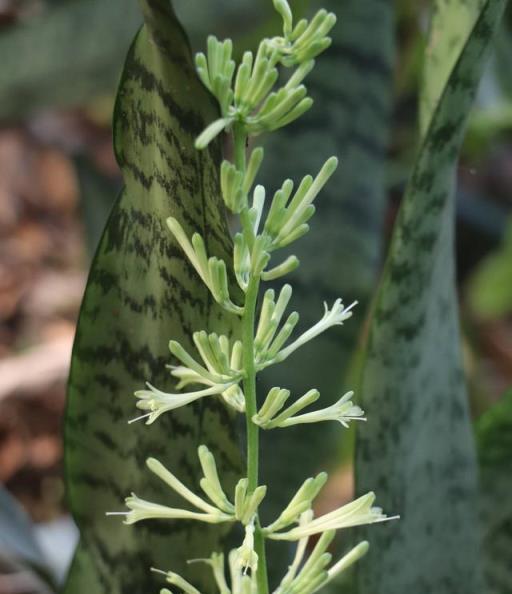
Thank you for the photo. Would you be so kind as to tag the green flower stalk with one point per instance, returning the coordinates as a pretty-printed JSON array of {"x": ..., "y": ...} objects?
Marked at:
[{"x": 251, "y": 102}]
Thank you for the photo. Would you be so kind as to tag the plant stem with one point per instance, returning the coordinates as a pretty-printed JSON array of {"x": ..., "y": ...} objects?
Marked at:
[
  {"x": 248, "y": 321},
  {"x": 248, "y": 326},
  {"x": 239, "y": 141},
  {"x": 250, "y": 382}
]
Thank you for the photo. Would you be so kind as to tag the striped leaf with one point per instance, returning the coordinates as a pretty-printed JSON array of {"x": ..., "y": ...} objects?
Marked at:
[
  {"x": 142, "y": 292},
  {"x": 494, "y": 438},
  {"x": 417, "y": 451}
]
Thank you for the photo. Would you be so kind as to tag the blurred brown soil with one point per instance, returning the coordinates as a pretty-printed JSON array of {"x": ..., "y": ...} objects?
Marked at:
[{"x": 43, "y": 268}]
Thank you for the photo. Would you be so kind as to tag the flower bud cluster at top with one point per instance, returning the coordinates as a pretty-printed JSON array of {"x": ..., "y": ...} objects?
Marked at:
[{"x": 251, "y": 104}]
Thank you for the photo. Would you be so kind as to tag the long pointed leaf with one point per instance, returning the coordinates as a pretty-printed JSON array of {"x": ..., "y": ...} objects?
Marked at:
[
  {"x": 142, "y": 291},
  {"x": 416, "y": 451}
]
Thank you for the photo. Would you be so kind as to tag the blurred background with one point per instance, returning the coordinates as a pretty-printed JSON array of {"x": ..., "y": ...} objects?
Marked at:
[{"x": 61, "y": 60}]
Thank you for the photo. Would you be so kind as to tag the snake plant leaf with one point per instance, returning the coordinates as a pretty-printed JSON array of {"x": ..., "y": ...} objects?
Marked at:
[
  {"x": 494, "y": 439},
  {"x": 449, "y": 27},
  {"x": 417, "y": 450},
  {"x": 141, "y": 292},
  {"x": 352, "y": 88}
]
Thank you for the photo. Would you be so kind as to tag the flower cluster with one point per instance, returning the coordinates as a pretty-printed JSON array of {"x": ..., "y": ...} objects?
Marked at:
[
  {"x": 221, "y": 368},
  {"x": 295, "y": 523}
]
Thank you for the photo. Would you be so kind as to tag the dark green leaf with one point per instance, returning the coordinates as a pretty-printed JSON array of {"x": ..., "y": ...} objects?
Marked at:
[
  {"x": 142, "y": 292},
  {"x": 416, "y": 451},
  {"x": 494, "y": 439}
]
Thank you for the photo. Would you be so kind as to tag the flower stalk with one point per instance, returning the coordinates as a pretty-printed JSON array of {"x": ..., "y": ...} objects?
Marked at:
[{"x": 251, "y": 103}]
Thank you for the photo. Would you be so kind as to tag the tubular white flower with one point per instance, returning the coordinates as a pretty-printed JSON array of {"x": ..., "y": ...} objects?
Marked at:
[
  {"x": 332, "y": 317},
  {"x": 231, "y": 187},
  {"x": 216, "y": 70},
  {"x": 210, "y": 376},
  {"x": 313, "y": 572},
  {"x": 300, "y": 503},
  {"x": 300, "y": 208},
  {"x": 313, "y": 575},
  {"x": 268, "y": 340},
  {"x": 187, "y": 376},
  {"x": 283, "y": 8},
  {"x": 253, "y": 166},
  {"x": 258, "y": 202},
  {"x": 241, "y": 261},
  {"x": 235, "y": 397},
  {"x": 222, "y": 511},
  {"x": 140, "y": 510},
  {"x": 213, "y": 130},
  {"x": 210, "y": 483},
  {"x": 212, "y": 271},
  {"x": 306, "y": 40},
  {"x": 247, "y": 558},
  {"x": 158, "y": 402},
  {"x": 282, "y": 109},
  {"x": 356, "y": 513},
  {"x": 246, "y": 505},
  {"x": 176, "y": 485},
  {"x": 300, "y": 74},
  {"x": 273, "y": 404},
  {"x": 342, "y": 411},
  {"x": 289, "y": 265},
  {"x": 241, "y": 583},
  {"x": 217, "y": 353}
]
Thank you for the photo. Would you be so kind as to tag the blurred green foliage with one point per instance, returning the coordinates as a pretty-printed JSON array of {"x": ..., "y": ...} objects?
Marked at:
[
  {"x": 416, "y": 451},
  {"x": 490, "y": 287}
]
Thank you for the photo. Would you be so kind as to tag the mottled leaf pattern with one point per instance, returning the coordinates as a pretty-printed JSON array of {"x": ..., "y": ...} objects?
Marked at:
[
  {"x": 450, "y": 22},
  {"x": 416, "y": 451},
  {"x": 494, "y": 439},
  {"x": 141, "y": 292}
]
